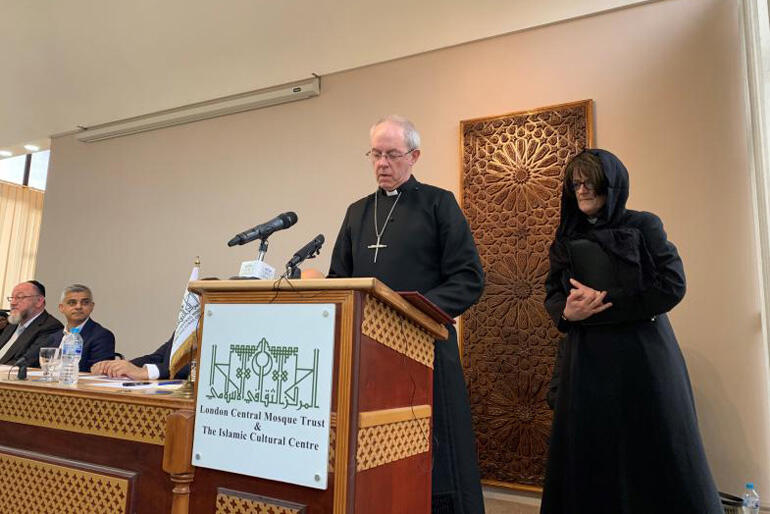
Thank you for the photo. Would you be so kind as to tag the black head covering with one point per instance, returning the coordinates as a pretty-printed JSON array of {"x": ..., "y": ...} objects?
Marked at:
[
  {"x": 610, "y": 231},
  {"x": 40, "y": 287},
  {"x": 573, "y": 220}
]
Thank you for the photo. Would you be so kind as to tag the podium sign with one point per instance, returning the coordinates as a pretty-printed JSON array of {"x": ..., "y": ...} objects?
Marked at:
[{"x": 264, "y": 392}]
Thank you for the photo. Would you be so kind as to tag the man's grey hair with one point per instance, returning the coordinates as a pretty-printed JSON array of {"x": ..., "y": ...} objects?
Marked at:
[
  {"x": 411, "y": 136},
  {"x": 76, "y": 288}
]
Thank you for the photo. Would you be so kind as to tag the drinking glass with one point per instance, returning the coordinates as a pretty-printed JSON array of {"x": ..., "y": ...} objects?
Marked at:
[{"x": 48, "y": 361}]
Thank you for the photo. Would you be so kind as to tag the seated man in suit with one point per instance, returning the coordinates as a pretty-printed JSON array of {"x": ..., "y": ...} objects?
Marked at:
[
  {"x": 77, "y": 303},
  {"x": 147, "y": 367},
  {"x": 30, "y": 326}
]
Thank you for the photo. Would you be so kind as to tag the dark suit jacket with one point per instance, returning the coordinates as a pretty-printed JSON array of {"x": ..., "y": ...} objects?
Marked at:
[
  {"x": 162, "y": 358},
  {"x": 98, "y": 344},
  {"x": 31, "y": 340}
]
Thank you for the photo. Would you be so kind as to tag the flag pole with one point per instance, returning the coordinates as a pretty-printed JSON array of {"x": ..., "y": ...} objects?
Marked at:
[{"x": 187, "y": 390}]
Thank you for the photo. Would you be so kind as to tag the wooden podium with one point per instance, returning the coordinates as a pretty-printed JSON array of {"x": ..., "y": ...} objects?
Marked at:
[
  {"x": 87, "y": 450},
  {"x": 380, "y": 439}
]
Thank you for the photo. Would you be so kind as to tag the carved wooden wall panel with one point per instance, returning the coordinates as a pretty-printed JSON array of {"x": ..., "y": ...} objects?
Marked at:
[{"x": 512, "y": 172}]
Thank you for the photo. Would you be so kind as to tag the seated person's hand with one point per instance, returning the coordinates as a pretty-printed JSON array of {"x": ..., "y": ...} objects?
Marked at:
[
  {"x": 119, "y": 368},
  {"x": 583, "y": 302}
]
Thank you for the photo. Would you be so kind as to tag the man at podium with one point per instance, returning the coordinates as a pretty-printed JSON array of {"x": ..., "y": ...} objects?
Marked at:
[{"x": 414, "y": 237}]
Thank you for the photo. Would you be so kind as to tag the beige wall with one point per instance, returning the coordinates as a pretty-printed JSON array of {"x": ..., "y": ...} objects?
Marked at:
[
  {"x": 82, "y": 62},
  {"x": 129, "y": 215}
]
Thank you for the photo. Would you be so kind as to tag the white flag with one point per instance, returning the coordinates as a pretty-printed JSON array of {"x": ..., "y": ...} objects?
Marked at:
[{"x": 186, "y": 325}]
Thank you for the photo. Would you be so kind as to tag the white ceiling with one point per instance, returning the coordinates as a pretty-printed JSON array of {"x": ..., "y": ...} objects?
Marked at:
[{"x": 83, "y": 62}]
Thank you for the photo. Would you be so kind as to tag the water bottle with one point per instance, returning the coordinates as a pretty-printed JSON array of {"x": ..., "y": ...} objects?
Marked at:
[
  {"x": 71, "y": 349},
  {"x": 750, "y": 499}
]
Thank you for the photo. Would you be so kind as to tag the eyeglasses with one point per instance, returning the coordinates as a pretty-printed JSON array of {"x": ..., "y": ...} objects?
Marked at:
[
  {"x": 588, "y": 185},
  {"x": 20, "y": 298},
  {"x": 376, "y": 155}
]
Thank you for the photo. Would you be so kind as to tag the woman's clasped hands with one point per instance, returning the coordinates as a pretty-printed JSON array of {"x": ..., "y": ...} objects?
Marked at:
[{"x": 584, "y": 302}]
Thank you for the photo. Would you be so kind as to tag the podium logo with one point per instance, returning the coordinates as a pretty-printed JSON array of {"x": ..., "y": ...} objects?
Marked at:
[{"x": 283, "y": 376}]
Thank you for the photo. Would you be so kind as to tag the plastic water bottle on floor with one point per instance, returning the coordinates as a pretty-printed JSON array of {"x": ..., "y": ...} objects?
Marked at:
[
  {"x": 750, "y": 499},
  {"x": 71, "y": 349}
]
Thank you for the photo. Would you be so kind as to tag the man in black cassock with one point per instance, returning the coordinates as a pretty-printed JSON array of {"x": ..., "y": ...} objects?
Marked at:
[{"x": 414, "y": 237}]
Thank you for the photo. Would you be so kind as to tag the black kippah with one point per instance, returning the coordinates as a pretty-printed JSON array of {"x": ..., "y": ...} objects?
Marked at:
[{"x": 40, "y": 287}]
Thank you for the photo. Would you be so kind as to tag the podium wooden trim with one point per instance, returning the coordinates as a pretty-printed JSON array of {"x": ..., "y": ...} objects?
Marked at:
[{"x": 368, "y": 285}]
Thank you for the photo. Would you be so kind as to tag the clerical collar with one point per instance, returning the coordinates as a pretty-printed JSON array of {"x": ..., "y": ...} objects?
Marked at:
[{"x": 410, "y": 184}]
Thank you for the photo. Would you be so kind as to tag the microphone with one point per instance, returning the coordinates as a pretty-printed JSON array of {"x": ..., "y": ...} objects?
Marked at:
[
  {"x": 308, "y": 251},
  {"x": 280, "y": 222},
  {"x": 21, "y": 363}
]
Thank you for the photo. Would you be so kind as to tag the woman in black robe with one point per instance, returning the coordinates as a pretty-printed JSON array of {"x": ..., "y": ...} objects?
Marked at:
[{"x": 625, "y": 437}]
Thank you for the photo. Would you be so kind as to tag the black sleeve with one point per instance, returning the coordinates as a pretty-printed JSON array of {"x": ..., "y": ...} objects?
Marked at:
[
  {"x": 555, "y": 292},
  {"x": 164, "y": 367},
  {"x": 342, "y": 256},
  {"x": 32, "y": 354},
  {"x": 155, "y": 357},
  {"x": 461, "y": 271},
  {"x": 54, "y": 340},
  {"x": 669, "y": 285}
]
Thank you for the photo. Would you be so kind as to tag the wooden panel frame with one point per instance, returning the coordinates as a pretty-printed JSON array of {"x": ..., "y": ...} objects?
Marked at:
[
  {"x": 248, "y": 503},
  {"x": 117, "y": 480},
  {"x": 511, "y": 172}
]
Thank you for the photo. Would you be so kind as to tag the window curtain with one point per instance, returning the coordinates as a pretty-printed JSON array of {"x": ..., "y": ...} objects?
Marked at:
[{"x": 21, "y": 210}]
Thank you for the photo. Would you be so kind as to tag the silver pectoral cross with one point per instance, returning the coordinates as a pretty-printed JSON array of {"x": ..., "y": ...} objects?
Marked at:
[{"x": 376, "y": 246}]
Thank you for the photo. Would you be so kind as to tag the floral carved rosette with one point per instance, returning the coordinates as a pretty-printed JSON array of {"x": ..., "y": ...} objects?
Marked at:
[{"x": 512, "y": 171}]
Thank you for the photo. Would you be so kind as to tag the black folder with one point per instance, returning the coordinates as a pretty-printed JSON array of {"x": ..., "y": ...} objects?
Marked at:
[{"x": 592, "y": 266}]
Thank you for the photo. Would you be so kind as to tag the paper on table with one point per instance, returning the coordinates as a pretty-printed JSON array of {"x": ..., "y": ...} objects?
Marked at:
[
  {"x": 105, "y": 378},
  {"x": 151, "y": 385}
]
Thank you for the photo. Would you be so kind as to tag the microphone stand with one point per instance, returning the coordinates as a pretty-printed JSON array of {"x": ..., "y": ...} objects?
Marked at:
[
  {"x": 262, "y": 249},
  {"x": 293, "y": 272},
  {"x": 22, "y": 373}
]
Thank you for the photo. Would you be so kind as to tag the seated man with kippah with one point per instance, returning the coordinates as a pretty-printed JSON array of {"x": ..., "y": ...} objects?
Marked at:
[{"x": 30, "y": 326}]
